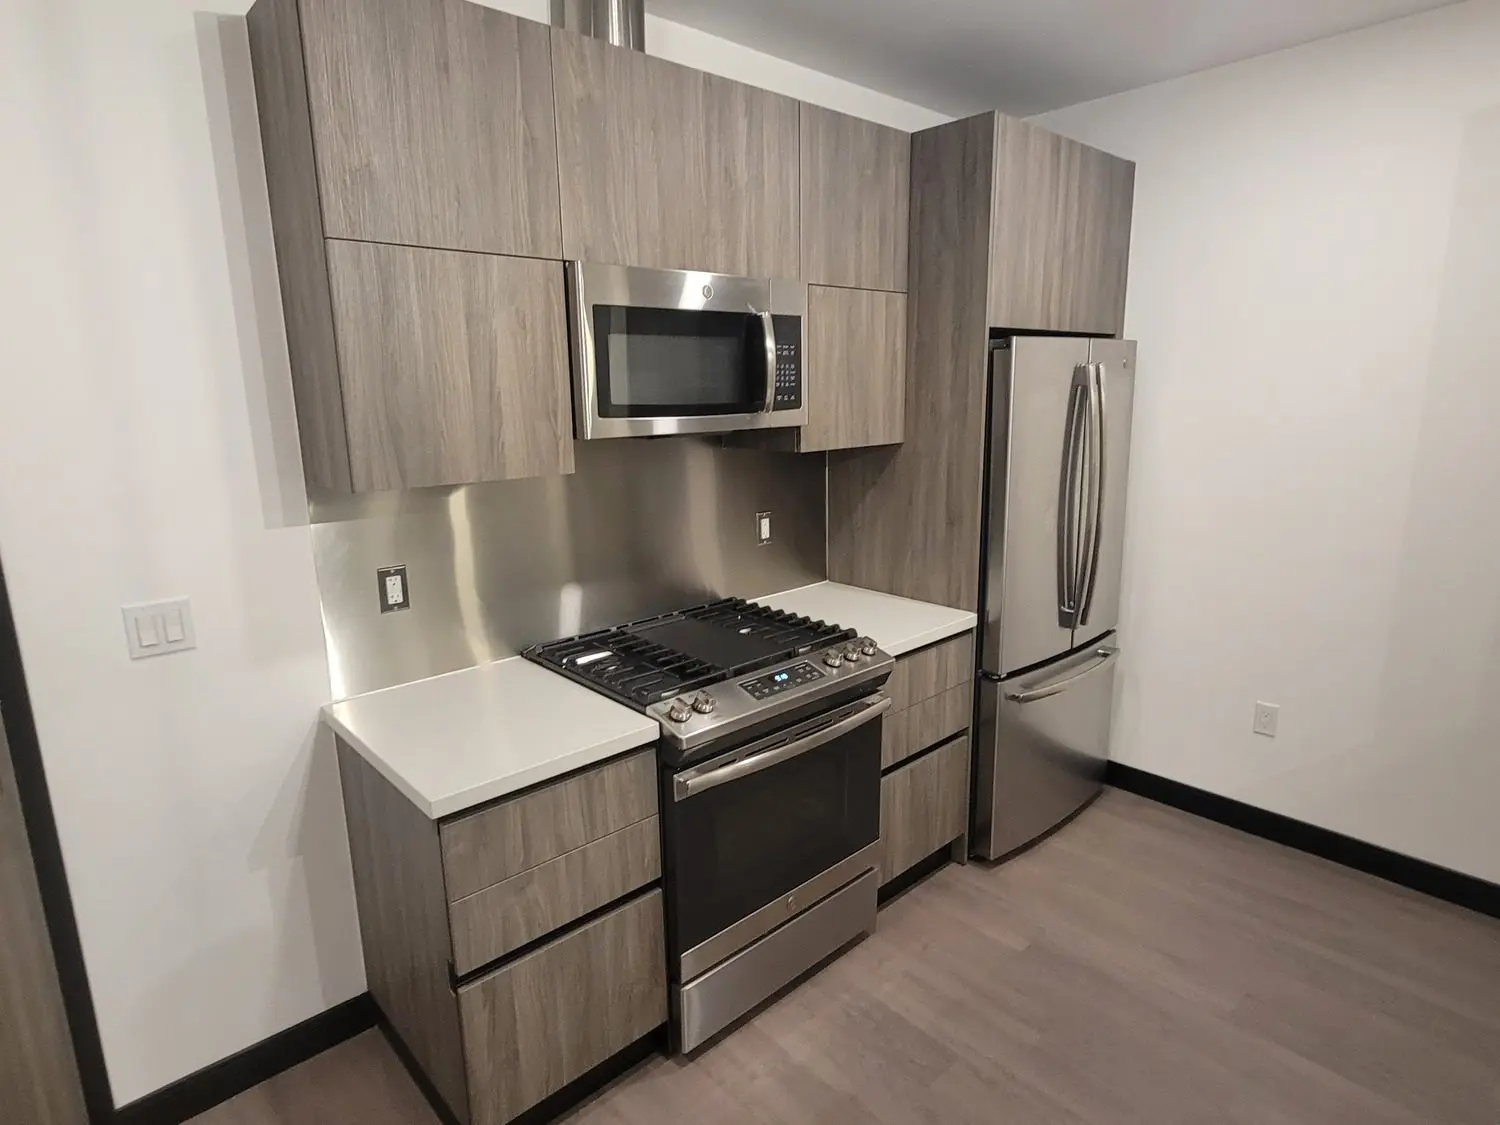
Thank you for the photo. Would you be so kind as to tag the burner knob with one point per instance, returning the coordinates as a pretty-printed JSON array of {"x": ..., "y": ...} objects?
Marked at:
[
  {"x": 852, "y": 654},
  {"x": 833, "y": 660},
  {"x": 867, "y": 646},
  {"x": 704, "y": 704},
  {"x": 679, "y": 712}
]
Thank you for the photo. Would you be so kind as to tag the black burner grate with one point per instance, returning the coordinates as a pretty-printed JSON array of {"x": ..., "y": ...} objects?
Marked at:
[{"x": 651, "y": 660}]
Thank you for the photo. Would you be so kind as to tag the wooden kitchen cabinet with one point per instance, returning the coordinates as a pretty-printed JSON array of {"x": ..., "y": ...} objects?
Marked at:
[
  {"x": 856, "y": 186},
  {"x": 855, "y": 369},
  {"x": 668, "y": 167},
  {"x": 432, "y": 124},
  {"x": 408, "y": 147},
  {"x": 454, "y": 366},
  {"x": 923, "y": 806},
  {"x": 514, "y": 947},
  {"x": 1060, "y": 232}
]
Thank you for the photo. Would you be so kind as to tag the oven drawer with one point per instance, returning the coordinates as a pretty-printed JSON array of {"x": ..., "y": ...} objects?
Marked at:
[
  {"x": 923, "y": 806},
  {"x": 911, "y": 731},
  {"x": 931, "y": 671},
  {"x": 549, "y": 1017},
  {"x": 502, "y": 918},
  {"x": 503, "y": 840}
]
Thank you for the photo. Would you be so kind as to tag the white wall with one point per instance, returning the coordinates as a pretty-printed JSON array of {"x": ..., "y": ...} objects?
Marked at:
[
  {"x": 145, "y": 452},
  {"x": 1315, "y": 272}
]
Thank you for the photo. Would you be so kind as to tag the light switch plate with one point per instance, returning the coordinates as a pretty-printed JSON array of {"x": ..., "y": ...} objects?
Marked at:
[{"x": 159, "y": 628}]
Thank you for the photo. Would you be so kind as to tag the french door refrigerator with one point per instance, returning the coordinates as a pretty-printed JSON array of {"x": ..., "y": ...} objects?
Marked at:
[{"x": 1058, "y": 452}]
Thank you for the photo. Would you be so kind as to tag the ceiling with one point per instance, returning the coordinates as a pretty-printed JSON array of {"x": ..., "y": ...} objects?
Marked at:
[{"x": 1022, "y": 56}]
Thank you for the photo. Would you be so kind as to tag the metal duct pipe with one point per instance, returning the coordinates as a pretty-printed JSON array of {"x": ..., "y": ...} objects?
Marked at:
[{"x": 619, "y": 22}]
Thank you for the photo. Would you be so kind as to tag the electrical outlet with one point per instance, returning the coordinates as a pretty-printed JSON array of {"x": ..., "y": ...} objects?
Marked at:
[
  {"x": 762, "y": 528},
  {"x": 394, "y": 592},
  {"x": 1266, "y": 715}
]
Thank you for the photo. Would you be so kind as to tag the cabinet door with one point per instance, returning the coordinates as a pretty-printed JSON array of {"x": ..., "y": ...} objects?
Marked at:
[
  {"x": 856, "y": 368},
  {"x": 454, "y": 365},
  {"x": 923, "y": 806},
  {"x": 535, "y": 1025},
  {"x": 667, "y": 167},
  {"x": 856, "y": 191},
  {"x": 1060, "y": 233},
  {"x": 433, "y": 125}
]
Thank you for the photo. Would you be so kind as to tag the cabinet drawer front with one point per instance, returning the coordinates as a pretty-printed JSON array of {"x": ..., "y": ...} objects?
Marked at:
[
  {"x": 931, "y": 672},
  {"x": 911, "y": 731},
  {"x": 923, "y": 806},
  {"x": 503, "y": 918},
  {"x": 539, "y": 1023},
  {"x": 483, "y": 848}
]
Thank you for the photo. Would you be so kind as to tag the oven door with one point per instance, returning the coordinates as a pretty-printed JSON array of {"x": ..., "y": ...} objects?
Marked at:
[
  {"x": 660, "y": 352},
  {"x": 759, "y": 834}
]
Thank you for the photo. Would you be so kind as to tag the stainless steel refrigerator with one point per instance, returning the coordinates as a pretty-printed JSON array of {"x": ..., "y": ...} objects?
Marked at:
[{"x": 1058, "y": 452}]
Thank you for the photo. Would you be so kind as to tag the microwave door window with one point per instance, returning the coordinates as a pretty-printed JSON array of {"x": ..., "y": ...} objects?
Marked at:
[{"x": 673, "y": 363}]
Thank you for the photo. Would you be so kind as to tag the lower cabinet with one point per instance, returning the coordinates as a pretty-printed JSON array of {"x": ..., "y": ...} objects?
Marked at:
[
  {"x": 554, "y": 1014},
  {"x": 923, "y": 805},
  {"x": 514, "y": 947}
]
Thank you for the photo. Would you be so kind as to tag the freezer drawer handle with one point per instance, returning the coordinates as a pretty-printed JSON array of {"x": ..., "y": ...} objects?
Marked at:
[
  {"x": 686, "y": 786},
  {"x": 1105, "y": 656}
]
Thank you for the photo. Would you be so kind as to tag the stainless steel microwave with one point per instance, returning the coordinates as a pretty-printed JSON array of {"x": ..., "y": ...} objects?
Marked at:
[{"x": 660, "y": 352}]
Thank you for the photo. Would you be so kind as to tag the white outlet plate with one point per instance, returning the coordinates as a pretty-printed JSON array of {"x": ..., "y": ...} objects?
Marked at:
[
  {"x": 762, "y": 528},
  {"x": 1266, "y": 717},
  {"x": 159, "y": 628}
]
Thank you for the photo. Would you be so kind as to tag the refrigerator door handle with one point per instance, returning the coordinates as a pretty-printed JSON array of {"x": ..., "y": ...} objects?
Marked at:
[
  {"x": 1070, "y": 510},
  {"x": 1104, "y": 657},
  {"x": 1097, "y": 425}
]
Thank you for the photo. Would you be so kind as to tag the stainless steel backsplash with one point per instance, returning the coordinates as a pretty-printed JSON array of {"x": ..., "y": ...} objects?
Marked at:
[{"x": 642, "y": 526}]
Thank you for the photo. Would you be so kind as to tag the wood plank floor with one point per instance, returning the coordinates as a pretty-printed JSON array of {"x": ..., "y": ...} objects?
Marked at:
[{"x": 1141, "y": 966}]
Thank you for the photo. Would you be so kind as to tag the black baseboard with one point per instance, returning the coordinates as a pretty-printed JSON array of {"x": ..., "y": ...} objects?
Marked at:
[
  {"x": 1418, "y": 875},
  {"x": 204, "y": 1089},
  {"x": 915, "y": 874}
]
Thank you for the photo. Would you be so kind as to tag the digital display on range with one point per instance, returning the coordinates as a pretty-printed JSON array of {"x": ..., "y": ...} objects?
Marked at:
[{"x": 766, "y": 686}]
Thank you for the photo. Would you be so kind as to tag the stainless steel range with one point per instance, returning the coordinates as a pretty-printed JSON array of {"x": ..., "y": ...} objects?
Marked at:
[{"x": 770, "y": 798}]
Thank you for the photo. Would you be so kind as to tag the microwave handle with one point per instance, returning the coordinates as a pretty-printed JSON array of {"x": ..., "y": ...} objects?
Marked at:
[{"x": 769, "y": 327}]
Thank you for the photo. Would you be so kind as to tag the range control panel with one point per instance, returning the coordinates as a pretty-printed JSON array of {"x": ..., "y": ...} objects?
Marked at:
[
  {"x": 788, "y": 384},
  {"x": 785, "y": 679}
]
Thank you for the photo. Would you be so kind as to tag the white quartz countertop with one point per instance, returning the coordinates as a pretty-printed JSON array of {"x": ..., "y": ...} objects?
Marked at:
[
  {"x": 456, "y": 741},
  {"x": 898, "y": 625}
]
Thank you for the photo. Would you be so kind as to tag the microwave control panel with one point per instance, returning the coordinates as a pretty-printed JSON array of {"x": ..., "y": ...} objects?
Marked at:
[
  {"x": 782, "y": 680},
  {"x": 788, "y": 375}
]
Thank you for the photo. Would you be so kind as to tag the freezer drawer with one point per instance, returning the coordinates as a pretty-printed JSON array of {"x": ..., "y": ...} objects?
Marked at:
[{"x": 1043, "y": 740}]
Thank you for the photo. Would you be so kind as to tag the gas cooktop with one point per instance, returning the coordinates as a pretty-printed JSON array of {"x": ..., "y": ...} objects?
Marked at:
[{"x": 695, "y": 670}]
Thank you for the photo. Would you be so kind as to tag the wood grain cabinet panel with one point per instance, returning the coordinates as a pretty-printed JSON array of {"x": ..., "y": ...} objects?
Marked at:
[
  {"x": 434, "y": 125},
  {"x": 668, "y": 167},
  {"x": 501, "y": 919},
  {"x": 403, "y": 922},
  {"x": 483, "y": 848},
  {"x": 923, "y": 806},
  {"x": 856, "y": 191},
  {"x": 535, "y": 1025},
  {"x": 1060, "y": 238},
  {"x": 924, "y": 723},
  {"x": 856, "y": 369},
  {"x": 454, "y": 365},
  {"x": 930, "y": 671}
]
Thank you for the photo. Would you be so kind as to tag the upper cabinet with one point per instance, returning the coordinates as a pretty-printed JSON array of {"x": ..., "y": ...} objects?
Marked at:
[
  {"x": 856, "y": 183},
  {"x": 667, "y": 167},
  {"x": 1059, "y": 233},
  {"x": 411, "y": 168},
  {"x": 856, "y": 369},
  {"x": 432, "y": 123}
]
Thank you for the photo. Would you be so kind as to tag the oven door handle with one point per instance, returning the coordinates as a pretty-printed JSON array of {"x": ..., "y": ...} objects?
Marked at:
[{"x": 685, "y": 787}]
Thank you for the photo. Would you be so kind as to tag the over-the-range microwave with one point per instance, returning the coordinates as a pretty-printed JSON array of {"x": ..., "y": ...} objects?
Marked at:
[{"x": 659, "y": 352}]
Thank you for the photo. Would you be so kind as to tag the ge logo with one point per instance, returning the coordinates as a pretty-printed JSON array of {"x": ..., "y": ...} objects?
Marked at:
[{"x": 708, "y": 292}]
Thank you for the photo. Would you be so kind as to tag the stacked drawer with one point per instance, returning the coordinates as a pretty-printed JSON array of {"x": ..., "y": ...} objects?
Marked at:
[
  {"x": 519, "y": 870},
  {"x": 924, "y": 792},
  {"x": 523, "y": 868}
]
